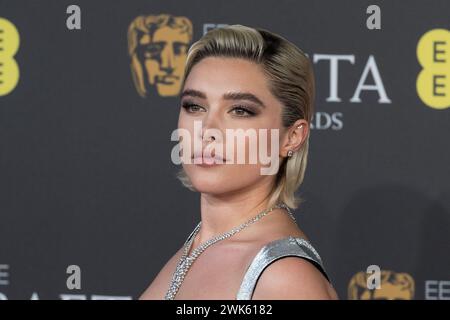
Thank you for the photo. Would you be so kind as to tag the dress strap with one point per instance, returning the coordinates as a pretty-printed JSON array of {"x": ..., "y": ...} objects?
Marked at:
[{"x": 290, "y": 246}]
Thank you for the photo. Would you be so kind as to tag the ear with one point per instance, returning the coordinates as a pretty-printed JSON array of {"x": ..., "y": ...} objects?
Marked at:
[{"x": 294, "y": 137}]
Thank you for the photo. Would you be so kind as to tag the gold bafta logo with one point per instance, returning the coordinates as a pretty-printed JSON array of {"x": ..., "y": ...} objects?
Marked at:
[
  {"x": 394, "y": 286},
  {"x": 158, "y": 45}
]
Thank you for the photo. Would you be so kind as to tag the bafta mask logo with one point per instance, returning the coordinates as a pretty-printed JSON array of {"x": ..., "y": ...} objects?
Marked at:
[
  {"x": 158, "y": 45},
  {"x": 394, "y": 286}
]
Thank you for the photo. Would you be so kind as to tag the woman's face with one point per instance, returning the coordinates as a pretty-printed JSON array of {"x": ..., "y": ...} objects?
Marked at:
[{"x": 202, "y": 99}]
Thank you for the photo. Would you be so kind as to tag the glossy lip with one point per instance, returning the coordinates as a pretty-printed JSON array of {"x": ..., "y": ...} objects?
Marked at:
[{"x": 207, "y": 161}]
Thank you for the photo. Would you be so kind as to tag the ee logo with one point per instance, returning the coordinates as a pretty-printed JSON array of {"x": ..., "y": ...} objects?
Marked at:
[
  {"x": 433, "y": 81},
  {"x": 9, "y": 44}
]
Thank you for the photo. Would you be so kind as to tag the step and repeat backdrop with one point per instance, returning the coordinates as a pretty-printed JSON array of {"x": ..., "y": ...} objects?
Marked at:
[{"x": 90, "y": 206}]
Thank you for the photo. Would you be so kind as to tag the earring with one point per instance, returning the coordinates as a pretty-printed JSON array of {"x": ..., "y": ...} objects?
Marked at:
[{"x": 290, "y": 153}]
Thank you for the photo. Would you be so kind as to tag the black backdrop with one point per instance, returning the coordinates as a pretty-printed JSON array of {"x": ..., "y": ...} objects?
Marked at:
[{"x": 86, "y": 176}]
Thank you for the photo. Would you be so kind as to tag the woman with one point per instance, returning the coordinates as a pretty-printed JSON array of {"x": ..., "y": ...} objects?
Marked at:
[{"x": 247, "y": 244}]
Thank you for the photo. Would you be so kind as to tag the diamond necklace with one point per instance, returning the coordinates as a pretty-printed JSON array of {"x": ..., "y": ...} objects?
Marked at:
[{"x": 186, "y": 261}]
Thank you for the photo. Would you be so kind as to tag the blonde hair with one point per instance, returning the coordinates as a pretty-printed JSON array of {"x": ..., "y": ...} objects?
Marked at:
[{"x": 291, "y": 81}]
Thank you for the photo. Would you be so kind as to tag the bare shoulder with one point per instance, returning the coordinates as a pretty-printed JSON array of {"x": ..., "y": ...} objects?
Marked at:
[
  {"x": 293, "y": 278},
  {"x": 158, "y": 287}
]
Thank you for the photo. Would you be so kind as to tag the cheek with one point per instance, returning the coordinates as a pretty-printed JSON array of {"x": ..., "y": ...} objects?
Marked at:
[
  {"x": 184, "y": 122},
  {"x": 186, "y": 126},
  {"x": 264, "y": 143}
]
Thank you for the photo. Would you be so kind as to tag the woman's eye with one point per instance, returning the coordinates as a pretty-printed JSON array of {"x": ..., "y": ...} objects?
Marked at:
[
  {"x": 238, "y": 111},
  {"x": 242, "y": 112},
  {"x": 191, "y": 107}
]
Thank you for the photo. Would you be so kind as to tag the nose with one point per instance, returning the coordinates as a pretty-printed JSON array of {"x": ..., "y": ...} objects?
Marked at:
[
  {"x": 167, "y": 60},
  {"x": 211, "y": 130},
  {"x": 209, "y": 137}
]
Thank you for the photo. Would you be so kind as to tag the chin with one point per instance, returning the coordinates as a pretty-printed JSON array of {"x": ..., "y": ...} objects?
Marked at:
[
  {"x": 221, "y": 179},
  {"x": 210, "y": 183}
]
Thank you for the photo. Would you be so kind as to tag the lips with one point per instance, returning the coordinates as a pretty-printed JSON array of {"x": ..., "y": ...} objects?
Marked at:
[
  {"x": 167, "y": 79},
  {"x": 208, "y": 159}
]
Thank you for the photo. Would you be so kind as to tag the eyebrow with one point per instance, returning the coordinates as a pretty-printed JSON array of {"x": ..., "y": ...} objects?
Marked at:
[{"x": 226, "y": 96}]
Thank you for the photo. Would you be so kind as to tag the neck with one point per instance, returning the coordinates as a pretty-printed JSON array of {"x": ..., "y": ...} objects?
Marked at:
[{"x": 221, "y": 213}]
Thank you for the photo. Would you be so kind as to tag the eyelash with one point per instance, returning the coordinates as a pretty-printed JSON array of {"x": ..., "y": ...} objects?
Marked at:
[{"x": 250, "y": 113}]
